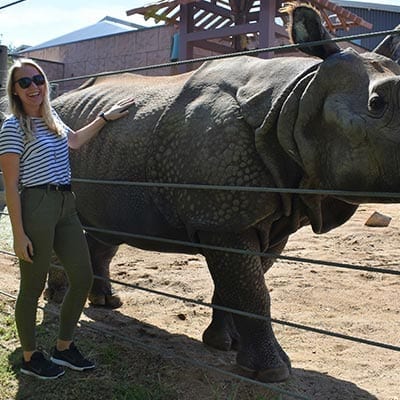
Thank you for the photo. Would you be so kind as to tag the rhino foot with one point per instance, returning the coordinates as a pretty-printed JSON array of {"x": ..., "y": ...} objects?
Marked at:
[
  {"x": 285, "y": 358},
  {"x": 54, "y": 295},
  {"x": 268, "y": 375},
  {"x": 105, "y": 300},
  {"x": 266, "y": 362},
  {"x": 221, "y": 338}
]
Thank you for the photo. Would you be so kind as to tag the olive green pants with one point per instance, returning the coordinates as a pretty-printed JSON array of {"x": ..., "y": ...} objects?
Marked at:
[{"x": 51, "y": 223}]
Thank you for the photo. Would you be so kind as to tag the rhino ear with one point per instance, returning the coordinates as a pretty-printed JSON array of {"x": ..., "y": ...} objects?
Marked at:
[
  {"x": 305, "y": 25},
  {"x": 390, "y": 47}
]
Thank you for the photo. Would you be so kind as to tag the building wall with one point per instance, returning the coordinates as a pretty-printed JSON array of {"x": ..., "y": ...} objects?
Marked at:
[
  {"x": 380, "y": 19},
  {"x": 122, "y": 51}
]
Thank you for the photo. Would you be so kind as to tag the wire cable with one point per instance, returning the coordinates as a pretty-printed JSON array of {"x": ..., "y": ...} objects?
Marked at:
[
  {"x": 242, "y": 313},
  {"x": 170, "y": 355},
  {"x": 237, "y": 54}
]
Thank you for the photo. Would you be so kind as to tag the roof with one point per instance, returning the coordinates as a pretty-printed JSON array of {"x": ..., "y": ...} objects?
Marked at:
[
  {"x": 105, "y": 27},
  {"x": 382, "y": 5},
  {"x": 218, "y": 13}
]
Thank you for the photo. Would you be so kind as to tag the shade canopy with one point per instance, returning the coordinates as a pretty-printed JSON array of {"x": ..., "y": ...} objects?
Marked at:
[{"x": 226, "y": 26}]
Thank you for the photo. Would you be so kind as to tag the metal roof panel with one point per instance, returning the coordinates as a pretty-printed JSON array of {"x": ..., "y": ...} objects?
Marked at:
[
  {"x": 386, "y": 5},
  {"x": 105, "y": 27}
]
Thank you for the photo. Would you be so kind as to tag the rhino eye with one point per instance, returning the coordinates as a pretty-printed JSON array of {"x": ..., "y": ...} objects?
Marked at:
[{"x": 376, "y": 104}]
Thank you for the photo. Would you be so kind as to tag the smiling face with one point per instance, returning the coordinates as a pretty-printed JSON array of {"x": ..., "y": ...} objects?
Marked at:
[{"x": 32, "y": 96}]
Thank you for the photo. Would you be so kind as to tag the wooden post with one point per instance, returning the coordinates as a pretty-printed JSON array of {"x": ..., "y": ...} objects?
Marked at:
[
  {"x": 185, "y": 27},
  {"x": 267, "y": 26}
]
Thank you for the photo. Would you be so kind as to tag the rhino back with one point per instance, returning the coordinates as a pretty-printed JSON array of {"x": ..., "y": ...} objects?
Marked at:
[
  {"x": 119, "y": 152},
  {"x": 193, "y": 128}
]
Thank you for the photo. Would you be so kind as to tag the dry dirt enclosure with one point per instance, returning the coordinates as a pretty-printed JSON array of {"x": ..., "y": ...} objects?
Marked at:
[{"x": 356, "y": 303}]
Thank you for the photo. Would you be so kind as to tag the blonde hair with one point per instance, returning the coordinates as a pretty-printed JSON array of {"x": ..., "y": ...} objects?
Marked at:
[{"x": 16, "y": 107}]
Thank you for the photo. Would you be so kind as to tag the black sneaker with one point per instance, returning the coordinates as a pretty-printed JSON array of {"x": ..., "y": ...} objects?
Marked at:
[
  {"x": 40, "y": 367},
  {"x": 71, "y": 358}
]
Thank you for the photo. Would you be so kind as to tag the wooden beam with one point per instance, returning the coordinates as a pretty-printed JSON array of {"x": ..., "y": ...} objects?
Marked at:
[
  {"x": 281, "y": 31},
  {"x": 217, "y": 20},
  {"x": 206, "y": 21},
  {"x": 198, "y": 15},
  {"x": 157, "y": 6},
  {"x": 161, "y": 4},
  {"x": 213, "y": 8},
  {"x": 223, "y": 32},
  {"x": 345, "y": 14},
  {"x": 211, "y": 46}
]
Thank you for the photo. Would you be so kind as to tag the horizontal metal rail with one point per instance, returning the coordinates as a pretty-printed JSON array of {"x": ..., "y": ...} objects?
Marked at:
[
  {"x": 243, "y": 313},
  {"x": 173, "y": 355},
  {"x": 242, "y": 252},
  {"x": 260, "y": 189}
]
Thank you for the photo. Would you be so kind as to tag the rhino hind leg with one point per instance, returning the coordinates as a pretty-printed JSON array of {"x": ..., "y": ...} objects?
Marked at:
[
  {"x": 221, "y": 334},
  {"x": 101, "y": 254},
  {"x": 240, "y": 284},
  {"x": 57, "y": 282}
]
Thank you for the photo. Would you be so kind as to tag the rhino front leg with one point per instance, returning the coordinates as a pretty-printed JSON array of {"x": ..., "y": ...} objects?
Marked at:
[
  {"x": 267, "y": 263},
  {"x": 222, "y": 334},
  {"x": 239, "y": 284},
  {"x": 101, "y": 255}
]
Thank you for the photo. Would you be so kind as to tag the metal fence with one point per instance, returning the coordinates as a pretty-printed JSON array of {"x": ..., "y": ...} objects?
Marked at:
[{"x": 322, "y": 263}]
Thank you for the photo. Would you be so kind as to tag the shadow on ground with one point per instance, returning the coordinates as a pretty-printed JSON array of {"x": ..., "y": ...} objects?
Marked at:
[{"x": 143, "y": 353}]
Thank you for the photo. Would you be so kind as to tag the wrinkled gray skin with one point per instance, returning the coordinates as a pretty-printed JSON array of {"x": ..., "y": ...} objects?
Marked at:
[{"x": 286, "y": 123}]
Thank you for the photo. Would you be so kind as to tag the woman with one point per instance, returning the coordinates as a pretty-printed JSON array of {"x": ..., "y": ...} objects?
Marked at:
[{"x": 35, "y": 164}]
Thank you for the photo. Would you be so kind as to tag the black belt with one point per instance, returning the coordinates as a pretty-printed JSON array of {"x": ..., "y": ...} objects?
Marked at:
[{"x": 52, "y": 187}]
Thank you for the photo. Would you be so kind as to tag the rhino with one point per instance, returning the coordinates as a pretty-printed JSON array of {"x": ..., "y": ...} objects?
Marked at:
[{"x": 326, "y": 122}]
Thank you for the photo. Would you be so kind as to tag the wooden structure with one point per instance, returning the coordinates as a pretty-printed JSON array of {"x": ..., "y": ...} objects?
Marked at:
[{"x": 226, "y": 26}]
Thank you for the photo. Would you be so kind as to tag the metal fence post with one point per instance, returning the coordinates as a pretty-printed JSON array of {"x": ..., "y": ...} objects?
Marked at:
[{"x": 3, "y": 103}]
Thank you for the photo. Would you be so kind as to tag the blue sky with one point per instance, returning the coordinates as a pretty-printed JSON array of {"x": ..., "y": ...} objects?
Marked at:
[{"x": 32, "y": 22}]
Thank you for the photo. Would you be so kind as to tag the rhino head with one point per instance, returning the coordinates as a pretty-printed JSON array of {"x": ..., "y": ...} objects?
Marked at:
[{"x": 341, "y": 123}]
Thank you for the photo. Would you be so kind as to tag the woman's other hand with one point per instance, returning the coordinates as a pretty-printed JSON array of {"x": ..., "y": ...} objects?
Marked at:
[{"x": 23, "y": 248}]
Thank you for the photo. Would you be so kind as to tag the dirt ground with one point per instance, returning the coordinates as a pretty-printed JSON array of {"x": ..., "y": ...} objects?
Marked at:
[{"x": 355, "y": 303}]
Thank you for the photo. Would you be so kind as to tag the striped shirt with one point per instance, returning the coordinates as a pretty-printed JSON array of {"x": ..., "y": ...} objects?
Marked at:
[{"x": 45, "y": 159}]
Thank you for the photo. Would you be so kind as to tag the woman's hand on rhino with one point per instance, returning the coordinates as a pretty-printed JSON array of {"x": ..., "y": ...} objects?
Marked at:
[{"x": 118, "y": 110}]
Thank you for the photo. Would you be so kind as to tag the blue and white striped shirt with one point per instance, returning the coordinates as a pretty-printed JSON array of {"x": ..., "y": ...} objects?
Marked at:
[{"x": 45, "y": 159}]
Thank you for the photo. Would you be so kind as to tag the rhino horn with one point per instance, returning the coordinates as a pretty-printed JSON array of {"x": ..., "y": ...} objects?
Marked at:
[
  {"x": 305, "y": 25},
  {"x": 390, "y": 46}
]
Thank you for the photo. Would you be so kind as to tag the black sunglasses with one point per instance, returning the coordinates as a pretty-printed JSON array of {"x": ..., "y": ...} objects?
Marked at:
[{"x": 25, "y": 82}]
